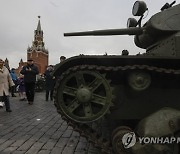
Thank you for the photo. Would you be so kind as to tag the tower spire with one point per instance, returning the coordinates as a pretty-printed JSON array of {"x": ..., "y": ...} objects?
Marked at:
[{"x": 39, "y": 24}]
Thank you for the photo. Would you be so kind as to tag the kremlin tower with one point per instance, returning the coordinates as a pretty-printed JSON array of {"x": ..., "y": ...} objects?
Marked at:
[{"x": 37, "y": 51}]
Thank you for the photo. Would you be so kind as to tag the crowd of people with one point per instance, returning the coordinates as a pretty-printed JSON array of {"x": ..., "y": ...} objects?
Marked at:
[{"x": 24, "y": 84}]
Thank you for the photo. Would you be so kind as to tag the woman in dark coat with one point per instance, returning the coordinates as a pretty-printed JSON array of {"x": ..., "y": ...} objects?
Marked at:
[{"x": 49, "y": 82}]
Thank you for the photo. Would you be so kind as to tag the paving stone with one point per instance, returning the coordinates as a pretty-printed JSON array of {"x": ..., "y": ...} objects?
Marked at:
[
  {"x": 57, "y": 135},
  {"x": 9, "y": 150},
  {"x": 57, "y": 125},
  {"x": 56, "y": 150},
  {"x": 76, "y": 134},
  {"x": 69, "y": 150},
  {"x": 44, "y": 152},
  {"x": 70, "y": 128},
  {"x": 2, "y": 126},
  {"x": 18, "y": 152},
  {"x": 28, "y": 128},
  {"x": 62, "y": 142},
  {"x": 37, "y": 136},
  {"x": 19, "y": 135},
  {"x": 67, "y": 133},
  {"x": 23, "y": 121},
  {"x": 64, "y": 123},
  {"x": 2, "y": 140},
  {"x": 44, "y": 138},
  {"x": 72, "y": 142},
  {"x": 40, "y": 125},
  {"x": 22, "y": 133},
  {"x": 21, "y": 141},
  {"x": 33, "y": 131},
  {"x": 47, "y": 120},
  {"x": 49, "y": 145},
  {"x": 93, "y": 150},
  {"x": 20, "y": 128},
  {"x": 63, "y": 128},
  {"x": 51, "y": 131},
  {"x": 26, "y": 124},
  {"x": 6, "y": 144},
  {"x": 81, "y": 146},
  {"x": 26, "y": 145},
  {"x": 35, "y": 148},
  {"x": 81, "y": 152},
  {"x": 83, "y": 139},
  {"x": 52, "y": 122},
  {"x": 45, "y": 128},
  {"x": 60, "y": 121},
  {"x": 9, "y": 130},
  {"x": 6, "y": 137},
  {"x": 36, "y": 122}
]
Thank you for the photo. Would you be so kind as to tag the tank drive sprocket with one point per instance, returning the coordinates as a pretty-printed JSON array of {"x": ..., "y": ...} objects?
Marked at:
[{"x": 84, "y": 96}]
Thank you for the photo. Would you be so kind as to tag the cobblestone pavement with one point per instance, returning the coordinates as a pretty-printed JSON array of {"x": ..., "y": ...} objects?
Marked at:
[{"x": 38, "y": 129}]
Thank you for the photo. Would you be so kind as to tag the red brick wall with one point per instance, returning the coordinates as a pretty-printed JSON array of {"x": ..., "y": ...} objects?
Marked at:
[
  {"x": 40, "y": 60},
  {"x": 20, "y": 68}
]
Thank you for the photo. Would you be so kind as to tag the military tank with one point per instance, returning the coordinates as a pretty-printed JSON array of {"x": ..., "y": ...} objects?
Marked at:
[{"x": 106, "y": 97}]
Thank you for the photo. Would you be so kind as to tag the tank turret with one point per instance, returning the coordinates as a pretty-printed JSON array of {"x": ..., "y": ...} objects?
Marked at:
[{"x": 162, "y": 27}]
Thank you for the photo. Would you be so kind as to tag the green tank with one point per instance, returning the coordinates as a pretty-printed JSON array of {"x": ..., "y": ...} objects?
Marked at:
[{"x": 107, "y": 97}]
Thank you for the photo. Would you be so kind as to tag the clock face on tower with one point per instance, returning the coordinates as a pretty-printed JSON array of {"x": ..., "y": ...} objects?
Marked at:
[{"x": 39, "y": 38}]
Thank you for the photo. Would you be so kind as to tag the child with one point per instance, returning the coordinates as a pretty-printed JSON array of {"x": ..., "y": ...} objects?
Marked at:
[{"x": 21, "y": 88}]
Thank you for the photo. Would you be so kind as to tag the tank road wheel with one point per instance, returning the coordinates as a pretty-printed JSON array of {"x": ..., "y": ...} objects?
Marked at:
[
  {"x": 117, "y": 136},
  {"x": 139, "y": 80},
  {"x": 84, "y": 96}
]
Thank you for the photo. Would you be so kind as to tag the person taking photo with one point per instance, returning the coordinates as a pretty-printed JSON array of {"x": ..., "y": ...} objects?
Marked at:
[{"x": 30, "y": 71}]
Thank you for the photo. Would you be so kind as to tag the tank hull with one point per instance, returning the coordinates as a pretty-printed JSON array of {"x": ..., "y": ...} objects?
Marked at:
[{"x": 126, "y": 105}]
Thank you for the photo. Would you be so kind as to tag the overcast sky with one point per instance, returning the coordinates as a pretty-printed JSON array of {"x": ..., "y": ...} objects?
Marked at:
[{"x": 19, "y": 19}]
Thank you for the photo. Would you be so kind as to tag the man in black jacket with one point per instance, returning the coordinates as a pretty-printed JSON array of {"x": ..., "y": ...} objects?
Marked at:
[{"x": 30, "y": 71}]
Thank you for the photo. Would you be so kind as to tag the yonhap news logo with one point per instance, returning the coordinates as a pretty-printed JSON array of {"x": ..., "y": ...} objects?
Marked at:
[{"x": 130, "y": 139}]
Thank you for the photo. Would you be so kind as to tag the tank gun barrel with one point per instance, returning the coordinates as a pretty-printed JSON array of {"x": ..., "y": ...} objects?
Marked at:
[{"x": 125, "y": 31}]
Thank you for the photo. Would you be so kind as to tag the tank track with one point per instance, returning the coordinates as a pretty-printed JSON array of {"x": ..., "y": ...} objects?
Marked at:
[{"x": 86, "y": 129}]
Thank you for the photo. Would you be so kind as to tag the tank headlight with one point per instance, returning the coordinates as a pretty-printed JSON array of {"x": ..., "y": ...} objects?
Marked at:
[
  {"x": 132, "y": 22},
  {"x": 139, "y": 8}
]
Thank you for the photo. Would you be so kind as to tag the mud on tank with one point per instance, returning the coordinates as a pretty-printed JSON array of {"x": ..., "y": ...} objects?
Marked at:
[{"x": 106, "y": 97}]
